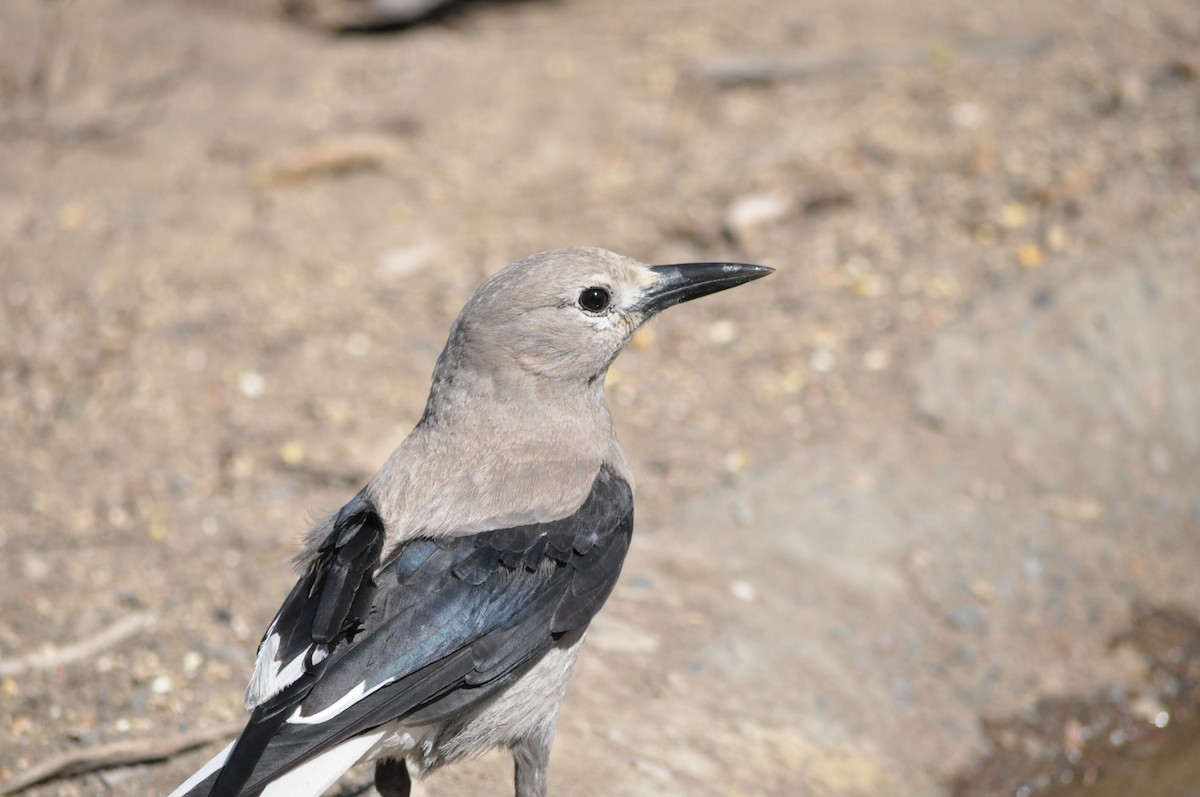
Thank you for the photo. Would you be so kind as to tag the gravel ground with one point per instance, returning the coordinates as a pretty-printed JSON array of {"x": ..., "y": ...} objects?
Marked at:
[{"x": 231, "y": 245}]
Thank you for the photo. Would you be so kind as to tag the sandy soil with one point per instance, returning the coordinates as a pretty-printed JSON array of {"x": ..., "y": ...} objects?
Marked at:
[{"x": 230, "y": 247}]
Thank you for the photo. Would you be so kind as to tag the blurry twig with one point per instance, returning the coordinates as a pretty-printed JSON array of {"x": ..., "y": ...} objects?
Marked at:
[
  {"x": 118, "y": 754},
  {"x": 122, "y": 629},
  {"x": 728, "y": 71},
  {"x": 54, "y": 58},
  {"x": 339, "y": 155}
]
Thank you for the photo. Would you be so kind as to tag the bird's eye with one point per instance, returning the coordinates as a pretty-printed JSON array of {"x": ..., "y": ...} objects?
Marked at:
[{"x": 595, "y": 300}]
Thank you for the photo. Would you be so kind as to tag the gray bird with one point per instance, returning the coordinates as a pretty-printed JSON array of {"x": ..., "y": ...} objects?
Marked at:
[{"x": 440, "y": 612}]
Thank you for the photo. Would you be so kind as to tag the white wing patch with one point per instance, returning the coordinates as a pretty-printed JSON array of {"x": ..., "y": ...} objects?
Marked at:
[
  {"x": 344, "y": 702},
  {"x": 272, "y": 676}
]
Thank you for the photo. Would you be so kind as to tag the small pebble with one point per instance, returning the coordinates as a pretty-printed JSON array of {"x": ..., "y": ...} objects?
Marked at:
[
  {"x": 1056, "y": 238},
  {"x": 753, "y": 211},
  {"x": 967, "y": 115},
  {"x": 875, "y": 360},
  {"x": 982, "y": 589},
  {"x": 292, "y": 452},
  {"x": 792, "y": 381},
  {"x": 736, "y": 461},
  {"x": 743, "y": 591},
  {"x": 252, "y": 384},
  {"x": 157, "y": 529},
  {"x": 1147, "y": 707},
  {"x": 723, "y": 332},
  {"x": 1030, "y": 255},
  {"x": 822, "y": 361},
  {"x": 1014, "y": 215},
  {"x": 71, "y": 216},
  {"x": 944, "y": 286},
  {"x": 1084, "y": 509},
  {"x": 870, "y": 286},
  {"x": 406, "y": 260}
]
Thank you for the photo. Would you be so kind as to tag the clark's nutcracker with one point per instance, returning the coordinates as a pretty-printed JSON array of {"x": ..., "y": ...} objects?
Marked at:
[{"x": 439, "y": 613}]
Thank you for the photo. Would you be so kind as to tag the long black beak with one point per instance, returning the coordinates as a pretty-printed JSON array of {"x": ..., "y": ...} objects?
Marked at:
[{"x": 683, "y": 282}]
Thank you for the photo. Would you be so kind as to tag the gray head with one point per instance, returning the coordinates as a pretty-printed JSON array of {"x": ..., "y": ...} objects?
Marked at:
[{"x": 566, "y": 314}]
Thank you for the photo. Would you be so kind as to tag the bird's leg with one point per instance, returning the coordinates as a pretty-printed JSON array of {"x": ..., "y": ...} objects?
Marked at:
[
  {"x": 391, "y": 778},
  {"x": 532, "y": 760}
]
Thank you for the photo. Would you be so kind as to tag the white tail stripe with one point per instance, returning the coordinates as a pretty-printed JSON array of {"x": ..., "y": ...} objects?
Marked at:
[
  {"x": 215, "y": 763},
  {"x": 313, "y": 777}
]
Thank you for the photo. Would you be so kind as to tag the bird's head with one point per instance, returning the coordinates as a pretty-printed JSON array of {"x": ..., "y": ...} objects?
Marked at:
[{"x": 566, "y": 314}]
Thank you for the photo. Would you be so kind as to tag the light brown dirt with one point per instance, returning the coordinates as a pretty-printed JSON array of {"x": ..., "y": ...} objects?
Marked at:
[{"x": 230, "y": 248}]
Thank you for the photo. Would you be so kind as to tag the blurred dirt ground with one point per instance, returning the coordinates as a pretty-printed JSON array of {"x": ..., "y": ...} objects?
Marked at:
[{"x": 921, "y": 475}]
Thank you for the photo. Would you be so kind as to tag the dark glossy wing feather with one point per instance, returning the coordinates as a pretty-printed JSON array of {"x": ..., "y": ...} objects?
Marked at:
[
  {"x": 326, "y": 607},
  {"x": 442, "y": 626}
]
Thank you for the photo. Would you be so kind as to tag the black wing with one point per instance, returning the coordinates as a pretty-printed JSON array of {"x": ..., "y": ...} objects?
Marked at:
[{"x": 443, "y": 625}]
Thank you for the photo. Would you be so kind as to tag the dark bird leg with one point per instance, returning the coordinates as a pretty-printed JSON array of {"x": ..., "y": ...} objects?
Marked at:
[
  {"x": 391, "y": 778},
  {"x": 532, "y": 760}
]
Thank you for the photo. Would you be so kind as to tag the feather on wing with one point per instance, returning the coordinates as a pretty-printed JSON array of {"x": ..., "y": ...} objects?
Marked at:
[{"x": 439, "y": 628}]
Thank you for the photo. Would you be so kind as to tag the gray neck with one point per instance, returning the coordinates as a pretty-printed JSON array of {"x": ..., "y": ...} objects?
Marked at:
[{"x": 495, "y": 449}]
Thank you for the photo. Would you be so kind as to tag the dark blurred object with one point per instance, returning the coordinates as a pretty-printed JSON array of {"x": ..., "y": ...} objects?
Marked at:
[
  {"x": 360, "y": 15},
  {"x": 366, "y": 16}
]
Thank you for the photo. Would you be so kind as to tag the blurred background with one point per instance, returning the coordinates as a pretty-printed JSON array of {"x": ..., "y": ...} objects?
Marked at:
[{"x": 918, "y": 515}]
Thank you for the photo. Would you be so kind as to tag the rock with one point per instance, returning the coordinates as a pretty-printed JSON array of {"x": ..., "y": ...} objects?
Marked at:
[{"x": 747, "y": 214}]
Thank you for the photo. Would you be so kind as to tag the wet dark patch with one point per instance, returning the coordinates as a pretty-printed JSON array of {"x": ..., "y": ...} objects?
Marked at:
[{"x": 1112, "y": 743}]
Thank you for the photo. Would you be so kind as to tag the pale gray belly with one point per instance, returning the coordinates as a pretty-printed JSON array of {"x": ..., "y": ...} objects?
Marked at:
[{"x": 526, "y": 710}]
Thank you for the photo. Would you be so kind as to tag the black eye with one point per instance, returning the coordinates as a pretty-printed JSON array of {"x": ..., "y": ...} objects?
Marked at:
[{"x": 594, "y": 300}]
